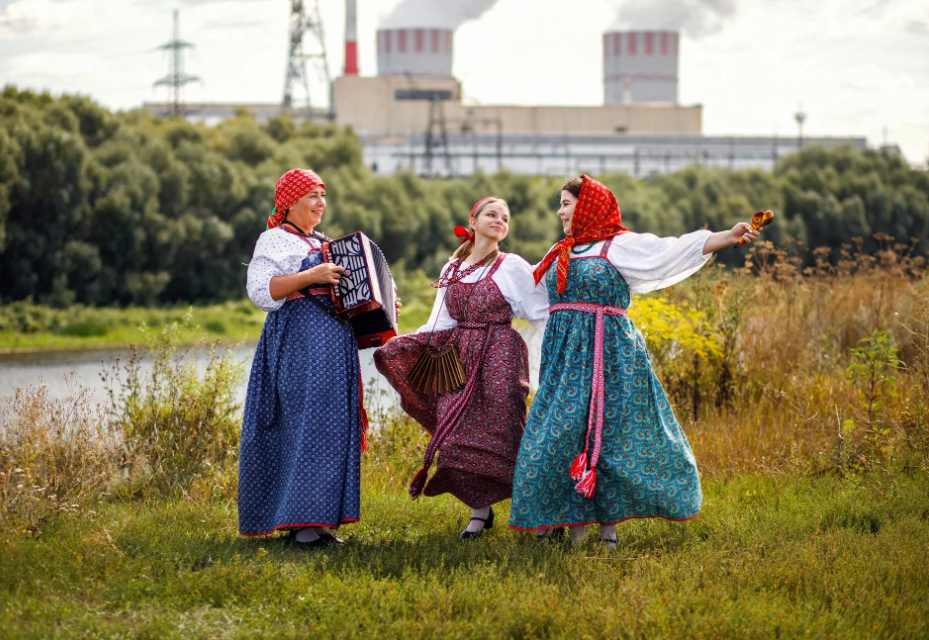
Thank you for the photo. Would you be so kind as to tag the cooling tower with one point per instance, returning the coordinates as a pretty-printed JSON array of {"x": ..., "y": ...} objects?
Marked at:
[
  {"x": 419, "y": 52},
  {"x": 640, "y": 66}
]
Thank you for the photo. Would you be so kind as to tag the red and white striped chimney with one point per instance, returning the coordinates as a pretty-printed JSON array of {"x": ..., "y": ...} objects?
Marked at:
[{"x": 351, "y": 39}]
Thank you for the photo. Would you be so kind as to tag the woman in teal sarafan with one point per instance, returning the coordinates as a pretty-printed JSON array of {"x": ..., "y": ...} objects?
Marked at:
[{"x": 602, "y": 444}]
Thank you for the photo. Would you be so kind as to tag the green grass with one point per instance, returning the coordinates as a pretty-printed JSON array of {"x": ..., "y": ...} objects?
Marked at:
[{"x": 770, "y": 557}]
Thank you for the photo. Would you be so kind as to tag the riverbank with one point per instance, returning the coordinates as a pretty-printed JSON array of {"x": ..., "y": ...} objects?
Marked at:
[
  {"x": 29, "y": 328},
  {"x": 769, "y": 557}
]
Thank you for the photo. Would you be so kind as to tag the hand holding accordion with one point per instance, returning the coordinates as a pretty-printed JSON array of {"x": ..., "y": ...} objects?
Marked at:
[{"x": 366, "y": 293}]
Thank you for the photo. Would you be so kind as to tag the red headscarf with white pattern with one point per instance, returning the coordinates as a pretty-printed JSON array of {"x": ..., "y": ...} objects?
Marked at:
[
  {"x": 596, "y": 217},
  {"x": 290, "y": 187}
]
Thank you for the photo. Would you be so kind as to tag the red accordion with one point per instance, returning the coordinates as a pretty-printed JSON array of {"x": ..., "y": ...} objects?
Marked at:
[{"x": 367, "y": 295}]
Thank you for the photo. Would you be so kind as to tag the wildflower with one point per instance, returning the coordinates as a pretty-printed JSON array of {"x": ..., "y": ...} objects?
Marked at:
[
  {"x": 19, "y": 486},
  {"x": 17, "y": 470}
]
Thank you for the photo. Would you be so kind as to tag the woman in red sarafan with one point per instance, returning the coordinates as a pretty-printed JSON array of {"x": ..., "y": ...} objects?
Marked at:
[{"x": 476, "y": 429}]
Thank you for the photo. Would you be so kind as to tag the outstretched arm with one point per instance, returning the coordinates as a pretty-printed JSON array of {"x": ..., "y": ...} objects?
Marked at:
[{"x": 723, "y": 239}]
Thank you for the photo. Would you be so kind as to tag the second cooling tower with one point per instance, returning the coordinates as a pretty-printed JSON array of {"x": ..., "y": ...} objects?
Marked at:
[
  {"x": 418, "y": 52},
  {"x": 640, "y": 66}
]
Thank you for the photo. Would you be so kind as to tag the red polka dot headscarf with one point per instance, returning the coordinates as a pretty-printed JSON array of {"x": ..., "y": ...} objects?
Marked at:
[{"x": 290, "y": 187}]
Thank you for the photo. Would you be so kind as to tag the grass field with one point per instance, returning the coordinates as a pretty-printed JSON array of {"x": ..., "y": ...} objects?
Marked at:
[
  {"x": 804, "y": 394},
  {"x": 769, "y": 557}
]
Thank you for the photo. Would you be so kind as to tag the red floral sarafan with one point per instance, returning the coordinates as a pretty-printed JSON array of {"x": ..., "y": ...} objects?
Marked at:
[
  {"x": 290, "y": 187},
  {"x": 596, "y": 217}
]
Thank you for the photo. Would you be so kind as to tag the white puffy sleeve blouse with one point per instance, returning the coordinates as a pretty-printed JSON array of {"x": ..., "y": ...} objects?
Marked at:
[
  {"x": 277, "y": 253},
  {"x": 514, "y": 279},
  {"x": 647, "y": 262}
]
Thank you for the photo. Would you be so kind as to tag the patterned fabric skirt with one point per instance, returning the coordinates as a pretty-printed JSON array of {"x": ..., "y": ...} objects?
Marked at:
[
  {"x": 477, "y": 458},
  {"x": 646, "y": 468},
  {"x": 300, "y": 460}
]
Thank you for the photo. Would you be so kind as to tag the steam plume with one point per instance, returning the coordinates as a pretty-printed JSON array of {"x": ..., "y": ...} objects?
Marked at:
[
  {"x": 696, "y": 18},
  {"x": 435, "y": 14}
]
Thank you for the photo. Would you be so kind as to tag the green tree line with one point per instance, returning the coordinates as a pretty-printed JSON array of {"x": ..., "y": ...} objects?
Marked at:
[{"x": 103, "y": 208}]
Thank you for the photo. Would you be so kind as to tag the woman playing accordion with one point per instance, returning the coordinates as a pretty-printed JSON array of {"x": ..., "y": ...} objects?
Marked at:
[{"x": 304, "y": 423}]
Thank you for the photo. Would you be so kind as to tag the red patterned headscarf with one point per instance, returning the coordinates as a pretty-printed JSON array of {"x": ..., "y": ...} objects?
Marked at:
[
  {"x": 596, "y": 217},
  {"x": 290, "y": 187}
]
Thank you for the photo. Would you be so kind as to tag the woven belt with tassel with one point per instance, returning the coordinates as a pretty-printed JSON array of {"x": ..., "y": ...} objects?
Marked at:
[{"x": 585, "y": 474}]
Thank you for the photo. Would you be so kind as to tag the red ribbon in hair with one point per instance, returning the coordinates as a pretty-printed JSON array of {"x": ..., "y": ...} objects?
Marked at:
[
  {"x": 465, "y": 235},
  {"x": 596, "y": 217}
]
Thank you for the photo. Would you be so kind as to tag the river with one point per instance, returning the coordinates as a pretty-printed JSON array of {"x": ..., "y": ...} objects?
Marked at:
[{"x": 55, "y": 369}]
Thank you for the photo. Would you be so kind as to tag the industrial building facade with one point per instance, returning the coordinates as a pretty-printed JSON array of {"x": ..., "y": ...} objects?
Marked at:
[{"x": 410, "y": 116}]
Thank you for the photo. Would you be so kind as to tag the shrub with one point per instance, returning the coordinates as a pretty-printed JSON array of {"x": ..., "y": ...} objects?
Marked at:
[
  {"x": 177, "y": 422},
  {"x": 55, "y": 456}
]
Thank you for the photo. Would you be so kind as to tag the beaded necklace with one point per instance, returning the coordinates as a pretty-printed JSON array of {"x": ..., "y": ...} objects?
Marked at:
[
  {"x": 453, "y": 275},
  {"x": 581, "y": 250}
]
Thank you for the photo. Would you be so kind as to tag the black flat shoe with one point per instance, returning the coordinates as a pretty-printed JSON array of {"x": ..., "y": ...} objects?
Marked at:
[
  {"x": 488, "y": 524},
  {"x": 332, "y": 538}
]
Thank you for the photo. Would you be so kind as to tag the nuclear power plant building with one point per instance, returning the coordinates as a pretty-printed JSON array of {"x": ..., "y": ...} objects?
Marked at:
[{"x": 411, "y": 116}]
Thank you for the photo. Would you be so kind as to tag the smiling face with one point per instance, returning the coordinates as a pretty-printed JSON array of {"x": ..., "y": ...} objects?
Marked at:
[
  {"x": 566, "y": 212},
  {"x": 492, "y": 221},
  {"x": 309, "y": 209}
]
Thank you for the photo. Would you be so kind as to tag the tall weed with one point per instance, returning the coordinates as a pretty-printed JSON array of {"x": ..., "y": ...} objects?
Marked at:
[{"x": 55, "y": 456}]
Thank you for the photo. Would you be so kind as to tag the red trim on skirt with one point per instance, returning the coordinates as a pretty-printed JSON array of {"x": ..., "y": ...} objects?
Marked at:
[
  {"x": 301, "y": 526},
  {"x": 608, "y": 524}
]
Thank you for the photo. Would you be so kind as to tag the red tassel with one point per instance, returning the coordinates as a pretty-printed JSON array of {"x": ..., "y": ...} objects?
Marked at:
[
  {"x": 578, "y": 466},
  {"x": 588, "y": 484},
  {"x": 363, "y": 414},
  {"x": 419, "y": 483}
]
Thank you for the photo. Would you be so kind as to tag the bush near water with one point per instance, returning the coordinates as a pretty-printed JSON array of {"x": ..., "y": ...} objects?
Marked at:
[{"x": 804, "y": 391}]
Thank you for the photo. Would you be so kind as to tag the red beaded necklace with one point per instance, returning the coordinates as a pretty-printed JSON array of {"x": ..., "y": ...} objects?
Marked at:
[{"x": 453, "y": 274}]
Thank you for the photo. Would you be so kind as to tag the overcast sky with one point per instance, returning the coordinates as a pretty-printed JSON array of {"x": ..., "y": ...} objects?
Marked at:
[{"x": 858, "y": 67}]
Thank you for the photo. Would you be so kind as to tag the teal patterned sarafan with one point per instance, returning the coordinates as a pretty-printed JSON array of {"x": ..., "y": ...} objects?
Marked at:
[{"x": 646, "y": 467}]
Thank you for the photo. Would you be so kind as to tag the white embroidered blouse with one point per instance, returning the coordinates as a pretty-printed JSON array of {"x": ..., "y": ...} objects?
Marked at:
[
  {"x": 514, "y": 279},
  {"x": 277, "y": 253},
  {"x": 647, "y": 262}
]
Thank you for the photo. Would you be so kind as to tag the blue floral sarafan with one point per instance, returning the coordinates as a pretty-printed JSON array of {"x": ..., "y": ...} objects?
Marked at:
[{"x": 646, "y": 467}]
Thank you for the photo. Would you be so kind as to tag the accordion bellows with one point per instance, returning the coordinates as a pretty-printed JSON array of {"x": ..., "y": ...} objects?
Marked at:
[
  {"x": 438, "y": 372},
  {"x": 367, "y": 295}
]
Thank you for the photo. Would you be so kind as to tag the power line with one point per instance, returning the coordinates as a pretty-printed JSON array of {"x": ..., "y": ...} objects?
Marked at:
[
  {"x": 176, "y": 78},
  {"x": 302, "y": 22}
]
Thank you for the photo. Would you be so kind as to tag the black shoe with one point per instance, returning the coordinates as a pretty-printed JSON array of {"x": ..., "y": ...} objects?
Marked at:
[
  {"x": 332, "y": 538},
  {"x": 609, "y": 542},
  {"x": 488, "y": 524}
]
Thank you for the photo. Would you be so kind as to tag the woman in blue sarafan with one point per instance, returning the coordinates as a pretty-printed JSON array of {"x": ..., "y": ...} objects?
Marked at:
[
  {"x": 303, "y": 430},
  {"x": 601, "y": 443}
]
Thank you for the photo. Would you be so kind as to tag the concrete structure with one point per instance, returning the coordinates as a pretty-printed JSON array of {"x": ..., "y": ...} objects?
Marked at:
[
  {"x": 566, "y": 155},
  {"x": 640, "y": 66},
  {"x": 419, "y": 52},
  {"x": 378, "y": 107}
]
